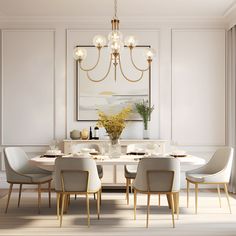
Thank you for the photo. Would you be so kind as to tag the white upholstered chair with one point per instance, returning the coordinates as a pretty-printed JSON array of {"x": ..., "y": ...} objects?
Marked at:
[
  {"x": 217, "y": 171},
  {"x": 158, "y": 176},
  {"x": 79, "y": 146},
  {"x": 18, "y": 171},
  {"x": 76, "y": 176}
]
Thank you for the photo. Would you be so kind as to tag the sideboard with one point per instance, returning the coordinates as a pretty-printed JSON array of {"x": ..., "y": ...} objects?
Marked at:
[{"x": 114, "y": 175}]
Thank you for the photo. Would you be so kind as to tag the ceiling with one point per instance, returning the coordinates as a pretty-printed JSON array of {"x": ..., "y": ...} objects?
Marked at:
[{"x": 126, "y": 8}]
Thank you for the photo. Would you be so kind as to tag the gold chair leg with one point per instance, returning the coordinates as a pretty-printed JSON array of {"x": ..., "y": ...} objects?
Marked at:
[
  {"x": 62, "y": 207},
  {"x": 127, "y": 191},
  {"x": 227, "y": 195},
  {"x": 148, "y": 208},
  {"x": 49, "y": 194},
  {"x": 176, "y": 204},
  {"x": 187, "y": 193},
  {"x": 98, "y": 204},
  {"x": 67, "y": 199},
  {"x": 172, "y": 210},
  {"x": 196, "y": 197},
  {"x": 19, "y": 197},
  {"x": 159, "y": 199},
  {"x": 8, "y": 198},
  {"x": 218, "y": 190},
  {"x": 130, "y": 184},
  {"x": 100, "y": 200},
  {"x": 39, "y": 197},
  {"x": 88, "y": 212},
  {"x": 168, "y": 200},
  {"x": 135, "y": 202},
  {"x": 58, "y": 205}
]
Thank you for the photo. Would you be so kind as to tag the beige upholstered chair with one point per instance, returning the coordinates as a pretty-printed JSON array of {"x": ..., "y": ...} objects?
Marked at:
[
  {"x": 158, "y": 176},
  {"x": 19, "y": 171},
  {"x": 76, "y": 176},
  {"x": 131, "y": 170},
  {"x": 78, "y": 147},
  {"x": 217, "y": 171}
]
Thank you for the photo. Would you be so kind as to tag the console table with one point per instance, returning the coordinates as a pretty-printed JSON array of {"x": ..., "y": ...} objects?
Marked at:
[{"x": 161, "y": 144}]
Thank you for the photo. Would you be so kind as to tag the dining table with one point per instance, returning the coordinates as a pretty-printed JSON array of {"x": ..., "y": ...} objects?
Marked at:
[{"x": 48, "y": 163}]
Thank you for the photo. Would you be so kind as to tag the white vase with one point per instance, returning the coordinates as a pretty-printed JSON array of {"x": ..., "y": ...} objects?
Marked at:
[
  {"x": 114, "y": 149},
  {"x": 146, "y": 131}
]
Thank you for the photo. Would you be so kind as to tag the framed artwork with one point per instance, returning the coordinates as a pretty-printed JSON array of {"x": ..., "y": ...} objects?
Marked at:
[{"x": 111, "y": 95}]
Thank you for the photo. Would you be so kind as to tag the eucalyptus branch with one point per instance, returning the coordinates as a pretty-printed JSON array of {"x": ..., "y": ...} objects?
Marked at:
[{"x": 144, "y": 111}]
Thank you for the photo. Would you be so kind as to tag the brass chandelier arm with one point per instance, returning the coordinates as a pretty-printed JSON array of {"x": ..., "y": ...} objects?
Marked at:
[
  {"x": 131, "y": 57},
  {"x": 104, "y": 77},
  {"x": 130, "y": 80},
  {"x": 92, "y": 68}
]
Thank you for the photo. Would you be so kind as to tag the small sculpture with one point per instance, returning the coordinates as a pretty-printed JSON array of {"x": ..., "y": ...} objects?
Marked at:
[{"x": 75, "y": 134}]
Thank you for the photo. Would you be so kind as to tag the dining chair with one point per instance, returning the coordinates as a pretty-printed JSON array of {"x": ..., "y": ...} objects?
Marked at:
[
  {"x": 158, "y": 176},
  {"x": 78, "y": 147},
  {"x": 217, "y": 171},
  {"x": 19, "y": 171},
  {"x": 131, "y": 170},
  {"x": 76, "y": 176}
]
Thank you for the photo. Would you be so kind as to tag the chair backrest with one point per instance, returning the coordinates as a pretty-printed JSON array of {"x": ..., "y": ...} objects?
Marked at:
[
  {"x": 221, "y": 161},
  {"x": 160, "y": 180},
  {"x": 69, "y": 184},
  {"x": 73, "y": 169},
  {"x": 77, "y": 147},
  {"x": 16, "y": 160},
  {"x": 158, "y": 174}
]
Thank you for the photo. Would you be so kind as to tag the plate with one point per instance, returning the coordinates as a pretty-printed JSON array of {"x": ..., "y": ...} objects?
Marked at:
[
  {"x": 94, "y": 153},
  {"x": 180, "y": 155},
  {"x": 136, "y": 153},
  {"x": 53, "y": 155}
]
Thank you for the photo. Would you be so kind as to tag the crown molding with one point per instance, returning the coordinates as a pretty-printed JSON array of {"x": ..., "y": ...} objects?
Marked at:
[
  {"x": 103, "y": 20},
  {"x": 229, "y": 9}
]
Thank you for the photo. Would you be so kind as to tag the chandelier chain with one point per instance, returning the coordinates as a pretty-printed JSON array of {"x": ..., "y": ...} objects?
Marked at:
[{"x": 115, "y": 8}]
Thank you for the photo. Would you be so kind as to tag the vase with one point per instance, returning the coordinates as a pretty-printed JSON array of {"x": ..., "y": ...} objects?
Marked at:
[
  {"x": 114, "y": 148},
  {"x": 146, "y": 131}
]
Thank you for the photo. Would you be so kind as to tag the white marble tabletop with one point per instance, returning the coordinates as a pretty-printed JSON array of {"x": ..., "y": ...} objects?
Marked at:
[{"x": 49, "y": 163}]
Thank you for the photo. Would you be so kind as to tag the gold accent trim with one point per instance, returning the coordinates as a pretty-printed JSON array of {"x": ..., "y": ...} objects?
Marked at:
[
  {"x": 115, "y": 24},
  {"x": 218, "y": 190},
  {"x": 172, "y": 196}
]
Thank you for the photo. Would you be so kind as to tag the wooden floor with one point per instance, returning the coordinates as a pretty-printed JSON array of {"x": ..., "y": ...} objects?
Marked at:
[{"x": 117, "y": 217}]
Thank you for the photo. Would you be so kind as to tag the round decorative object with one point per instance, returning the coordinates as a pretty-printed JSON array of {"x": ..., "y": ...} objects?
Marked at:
[
  {"x": 75, "y": 134},
  {"x": 84, "y": 134}
]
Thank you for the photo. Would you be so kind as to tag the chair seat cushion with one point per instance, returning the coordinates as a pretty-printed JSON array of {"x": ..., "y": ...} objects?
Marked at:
[
  {"x": 100, "y": 171},
  {"x": 39, "y": 178},
  {"x": 199, "y": 178},
  {"x": 130, "y": 171}
]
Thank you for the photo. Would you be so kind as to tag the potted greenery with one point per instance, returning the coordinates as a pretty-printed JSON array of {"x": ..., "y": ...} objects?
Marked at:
[{"x": 144, "y": 110}]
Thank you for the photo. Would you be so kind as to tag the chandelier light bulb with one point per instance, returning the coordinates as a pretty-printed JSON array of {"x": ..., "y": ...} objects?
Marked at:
[
  {"x": 115, "y": 35},
  {"x": 99, "y": 41},
  {"x": 131, "y": 41},
  {"x": 79, "y": 53},
  {"x": 150, "y": 53},
  {"x": 115, "y": 46}
]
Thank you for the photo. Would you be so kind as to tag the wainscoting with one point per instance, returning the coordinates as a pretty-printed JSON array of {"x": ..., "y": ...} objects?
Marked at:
[{"x": 38, "y": 84}]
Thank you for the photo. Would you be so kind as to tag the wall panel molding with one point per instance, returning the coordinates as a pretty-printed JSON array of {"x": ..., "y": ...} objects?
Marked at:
[
  {"x": 27, "y": 87},
  {"x": 198, "y": 87}
]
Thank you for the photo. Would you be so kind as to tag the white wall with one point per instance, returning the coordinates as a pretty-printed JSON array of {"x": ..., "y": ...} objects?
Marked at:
[{"x": 37, "y": 82}]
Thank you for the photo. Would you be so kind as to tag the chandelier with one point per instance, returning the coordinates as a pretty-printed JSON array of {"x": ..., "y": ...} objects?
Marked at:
[{"x": 115, "y": 45}]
